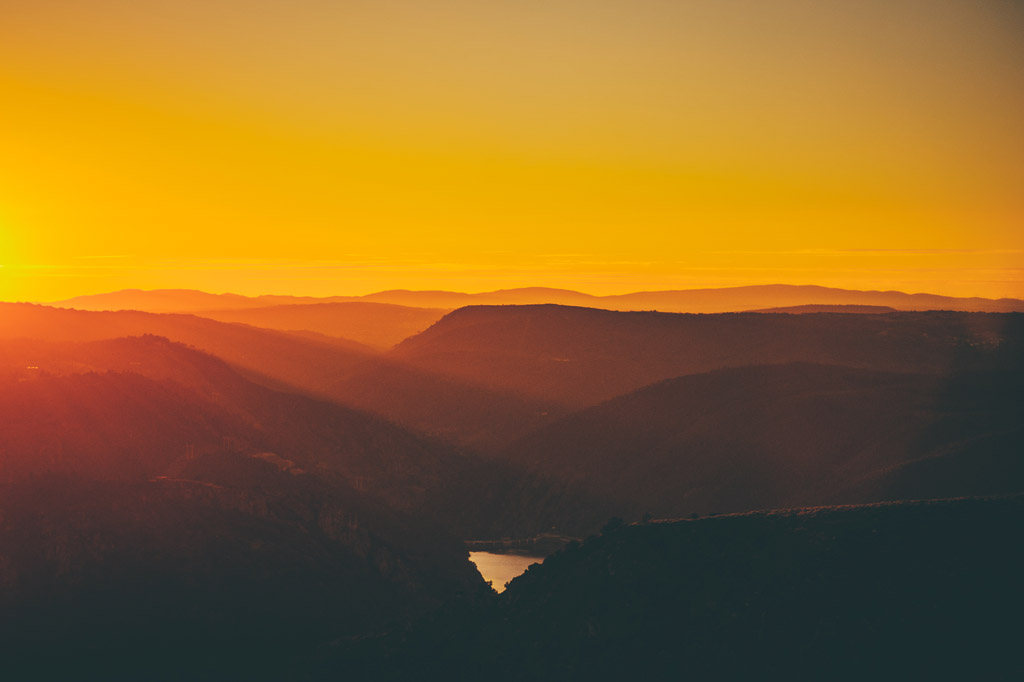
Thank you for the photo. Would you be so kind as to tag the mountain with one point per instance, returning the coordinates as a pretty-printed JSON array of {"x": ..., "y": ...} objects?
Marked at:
[
  {"x": 181, "y": 301},
  {"x": 523, "y": 296},
  {"x": 484, "y": 376},
  {"x": 127, "y": 409},
  {"x": 275, "y": 353},
  {"x": 890, "y": 591},
  {"x": 577, "y": 357},
  {"x": 342, "y": 371},
  {"x": 778, "y": 436},
  {"x": 134, "y": 409},
  {"x": 235, "y": 569},
  {"x": 378, "y": 325},
  {"x": 735, "y": 299},
  {"x": 801, "y": 309},
  {"x": 719, "y": 300},
  {"x": 157, "y": 505}
]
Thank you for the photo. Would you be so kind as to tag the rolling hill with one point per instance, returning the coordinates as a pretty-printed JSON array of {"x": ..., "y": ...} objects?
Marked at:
[
  {"x": 778, "y": 436},
  {"x": 378, "y": 325},
  {"x": 181, "y": 301},
  {"x": 345, "y": 372},
  {"x": 135, "y": 403},
  {"x": 581, "y": 356},
  {"x": 133, "y": 409},
  {"x": 718, "y": 300}
]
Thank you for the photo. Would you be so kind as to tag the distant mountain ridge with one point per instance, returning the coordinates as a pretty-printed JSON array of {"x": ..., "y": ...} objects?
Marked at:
[{"x": 712, "y": 300}]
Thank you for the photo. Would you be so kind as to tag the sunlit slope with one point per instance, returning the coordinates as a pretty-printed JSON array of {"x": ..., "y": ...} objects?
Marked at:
[
  {"x": 346, "y": 373},
  {"x": 790, "y": 435},
  {"x": 379, "y": 325},
  {"x": 133, "y": 409},
  {"x": 127, "y": 408},
  {"x": 581, "y": 356},
  {"x": 277, "y": 354}
]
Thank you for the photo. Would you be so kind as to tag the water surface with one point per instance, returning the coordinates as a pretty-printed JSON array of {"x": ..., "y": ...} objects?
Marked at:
[{"x": 498, "y": 569}]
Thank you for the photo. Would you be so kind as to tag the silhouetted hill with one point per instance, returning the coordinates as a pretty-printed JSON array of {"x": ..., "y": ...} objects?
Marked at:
[
  {"x": 800, "y": 309},
  {"x": 719, "y": 300},
  {"x": 581, "y": 356},
  {"x": 181, "y": 301},
  {"x": 242, "y": 576},
  {"x": 918, "y": 590},
  {"x": 788, "y": 435},
  {"x": 455, "y": 410},
  {"x": 295, "y": 360},
  {"x": 451, "y": 299},
  {"x": 379, "y": 325},
  {"x": 734, "y": 299}
]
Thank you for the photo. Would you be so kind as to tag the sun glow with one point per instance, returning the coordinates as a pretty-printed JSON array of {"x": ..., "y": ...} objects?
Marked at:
[{"x": 605, "y": 147}]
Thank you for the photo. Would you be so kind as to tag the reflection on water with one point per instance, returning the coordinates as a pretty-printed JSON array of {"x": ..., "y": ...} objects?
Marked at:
[{"x": 498, "y": 569}]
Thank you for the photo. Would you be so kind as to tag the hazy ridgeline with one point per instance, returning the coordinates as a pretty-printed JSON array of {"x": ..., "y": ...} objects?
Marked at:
[{"x": 295, "y": 497}]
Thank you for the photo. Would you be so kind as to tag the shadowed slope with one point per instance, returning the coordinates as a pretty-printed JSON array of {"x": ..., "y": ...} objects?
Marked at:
[
  {"x": 379, "y": 325},
  {"x": 346, "y": 373},
  {"x": 788, "y": 435},
  {"x": 801, "y": 309},
  {"x": 581, "y": 356},
  {"x": 736, "y": 299},
  {"x": 719, "y": 300},
  {"x": 236, "y": 568},
  {"x": 164, "y": 396},
  {"x": 896, "y": 591},
  {"x": 64, "y": 411},
  {"x": 299, "y": 361}
]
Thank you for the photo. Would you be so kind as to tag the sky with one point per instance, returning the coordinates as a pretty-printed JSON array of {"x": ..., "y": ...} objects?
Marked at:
[{"x": 321, "y": 147}]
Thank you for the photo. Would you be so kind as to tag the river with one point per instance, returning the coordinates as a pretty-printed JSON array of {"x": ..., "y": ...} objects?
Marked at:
[{"x": 498, "y": 569}]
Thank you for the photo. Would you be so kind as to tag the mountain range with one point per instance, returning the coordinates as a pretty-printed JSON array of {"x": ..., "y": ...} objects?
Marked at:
[
  {"x": 285, "y": 492},
  {"x": 720, "y": 300}
]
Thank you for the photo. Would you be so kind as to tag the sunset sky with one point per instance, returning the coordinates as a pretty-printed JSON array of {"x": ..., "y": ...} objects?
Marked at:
[{"x": 346, "y": 146}]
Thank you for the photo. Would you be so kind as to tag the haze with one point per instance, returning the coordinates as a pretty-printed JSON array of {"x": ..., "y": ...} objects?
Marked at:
[{"x": 323, "y": 148}]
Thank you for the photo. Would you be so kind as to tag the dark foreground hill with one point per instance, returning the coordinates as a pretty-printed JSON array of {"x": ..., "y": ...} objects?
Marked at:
[
  {"x": 581, "y": 356},
  {"x": 237, "y": 570},
  {"x": 916, "y": 590},
  {"x": 788, "y": 435}
]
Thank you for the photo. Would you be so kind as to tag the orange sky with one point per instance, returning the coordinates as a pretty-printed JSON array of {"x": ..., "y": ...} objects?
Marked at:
[{"x": 341, "y": 147}]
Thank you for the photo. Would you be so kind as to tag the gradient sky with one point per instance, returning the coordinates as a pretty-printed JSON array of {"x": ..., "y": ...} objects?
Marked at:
[{"x": 341, "y": 147}]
